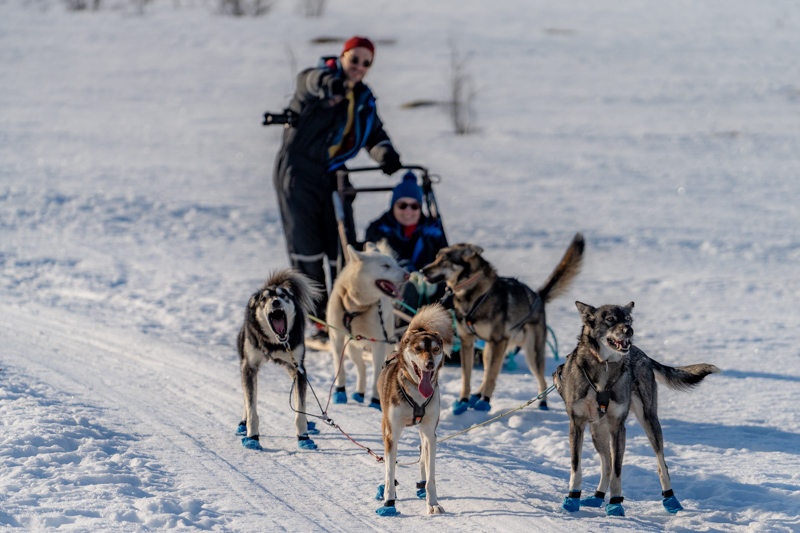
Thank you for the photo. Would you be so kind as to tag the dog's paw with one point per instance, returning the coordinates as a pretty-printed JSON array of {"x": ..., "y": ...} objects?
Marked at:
[
  {"x": 460, "y": 407},
  {"x": 251, "y": 444},
  {"x": 421, "y": 492},
  {"x": 592, "y": 501},
  {"x": 435, "y": 509},
  {"x": 615, "y": 509},
  {"x": 672, "y": 505},
  {"x": 482, "y": 405},
  {"x": 358, "y": 397},
  {"x": 543, "y": 406},
  {"x": 241, "y": 431},
  {"x": 473, "y": 399},
  {"x": 571, "y": 504},
  {"x": 340, "y": 396},
  {"x": 375, "y": 404},
  {"x": 387, "y": 510},
  {"x": 379, "y": 496},
  {"x": 312, "y": 429},
  {"x": 306, "y": 443}
]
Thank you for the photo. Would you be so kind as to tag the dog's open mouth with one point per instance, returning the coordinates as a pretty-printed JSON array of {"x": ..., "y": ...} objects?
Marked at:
[
  {"x": 621, "y": 346},
  {"x": 388, "y": 288},
  {"x": 278, "y": 323},
  {"x": 425, "y": 381}
]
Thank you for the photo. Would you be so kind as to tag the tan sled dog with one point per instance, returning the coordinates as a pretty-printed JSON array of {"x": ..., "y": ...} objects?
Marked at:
[
  {"x": 409, "y": 391},
  {"x": 361, "y": 304}
]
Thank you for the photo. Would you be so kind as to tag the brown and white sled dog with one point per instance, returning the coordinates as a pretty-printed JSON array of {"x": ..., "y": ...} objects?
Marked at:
[
  {"x": 273, "y": 330},
  {"x": 361, "y": 304},
  {"x": 409, "y": 387},
  {"x": 504, "y": 312},
  {"x": 604, "y": 377}
]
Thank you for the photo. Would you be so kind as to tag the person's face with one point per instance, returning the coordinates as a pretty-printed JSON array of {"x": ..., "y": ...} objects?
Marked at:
[
  {"x": 356, "y": 63},
  {"x": 406, "y": 211}
]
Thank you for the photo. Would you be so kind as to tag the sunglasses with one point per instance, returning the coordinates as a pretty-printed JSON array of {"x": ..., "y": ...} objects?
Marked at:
[
  {"x": 402, "y": 206},
  {"x": 355, "y": 60}
]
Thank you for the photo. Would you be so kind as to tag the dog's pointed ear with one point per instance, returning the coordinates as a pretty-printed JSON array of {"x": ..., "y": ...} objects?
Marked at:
[
  {"x": 587, "y": 313},
  {"x": 353, "y": 254},
  {"x": 629, "y": 307},
  {"x": 253, "y": 299},
  {"x": 472, "y": 251}
]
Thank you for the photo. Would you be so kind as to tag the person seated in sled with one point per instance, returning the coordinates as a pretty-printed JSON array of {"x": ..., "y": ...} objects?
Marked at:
[{"x": 414, "y": 237}]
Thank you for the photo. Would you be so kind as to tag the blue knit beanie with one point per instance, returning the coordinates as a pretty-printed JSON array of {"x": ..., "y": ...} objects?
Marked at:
[{"x": 407, "y": 188}]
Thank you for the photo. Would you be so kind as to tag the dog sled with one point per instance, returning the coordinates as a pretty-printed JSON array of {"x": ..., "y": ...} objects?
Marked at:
[{"x": 345, "y": 195}]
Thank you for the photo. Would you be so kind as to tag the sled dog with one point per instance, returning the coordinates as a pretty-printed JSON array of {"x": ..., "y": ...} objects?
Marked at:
[
  {"x": 504, "y": 312},
  {"x": 410, "y": 397},
  {"x": 604, "y": 377},
  {"x": 274, "y": 321},
  {"x": 361, "y": 304}
]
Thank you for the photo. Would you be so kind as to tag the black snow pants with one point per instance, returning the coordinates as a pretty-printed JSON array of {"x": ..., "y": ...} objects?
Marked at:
[{"x": 310, "y": 226}]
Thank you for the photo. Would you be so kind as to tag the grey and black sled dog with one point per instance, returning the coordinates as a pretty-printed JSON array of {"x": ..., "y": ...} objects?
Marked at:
[
  {"x": 601, "y": 380},
  {"x": 409, "y": 389},
  {"x": 504, "y": 312},
  {"x": 273, "y": 330}
]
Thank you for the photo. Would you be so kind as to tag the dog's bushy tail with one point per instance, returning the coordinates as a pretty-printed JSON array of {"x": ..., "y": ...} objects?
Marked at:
[
  {"x": 434, "y": 318},
  {"x": 683, "y": 377},
  {"x": 569, "y": 267}
]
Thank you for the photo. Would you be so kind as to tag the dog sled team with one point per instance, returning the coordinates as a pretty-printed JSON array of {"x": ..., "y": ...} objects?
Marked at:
[
  {"x": 331, "y": 117},
  {"x": 604, "y": 378}
]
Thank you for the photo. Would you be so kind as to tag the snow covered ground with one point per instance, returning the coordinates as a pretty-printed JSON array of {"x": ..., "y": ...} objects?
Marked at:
[{"x": 137, "y": 216}]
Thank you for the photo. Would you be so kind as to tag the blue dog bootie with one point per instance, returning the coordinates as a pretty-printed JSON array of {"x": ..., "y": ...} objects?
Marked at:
[
  {"x": 594, "y": 501},
  {"x": 543, "y": 405},
  {"x": 311, "y": 428},
  {"x": 421, "y": 490},
  {"x": 305, "y": 443},
  {"x": 671, "y": 503},
  {"x": 358, "y": 397},
  {"x": 339, "y": 395},
  {"x": 241, "y": 431},
  {"x": 572, "y": 502},
  {"x": 375, "y": 403},
  {"x": 460, "y": 406},
  {"x": 510, "y": 363},
  {"x": 614, "y": 507},
  {"x": 388, "y": 509},
  {"x": 251, "y": 443},
  {"x": 481, "y": 404},
  {"x": 379, "y": 496}
]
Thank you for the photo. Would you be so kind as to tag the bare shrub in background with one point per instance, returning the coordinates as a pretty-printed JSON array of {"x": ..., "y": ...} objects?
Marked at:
[
  {"x": 313, "y": 8},
  {"x": 462, "y": 93},
  {"x": 82, "y": 5},
  {"x": 245, "y": 8}
]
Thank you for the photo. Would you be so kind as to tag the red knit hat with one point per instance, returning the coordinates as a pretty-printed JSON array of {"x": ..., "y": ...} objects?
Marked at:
[{"x": 358, "y": 42}]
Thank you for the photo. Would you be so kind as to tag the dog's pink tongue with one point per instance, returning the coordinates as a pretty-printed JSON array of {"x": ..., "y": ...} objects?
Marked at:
[{"x": 425, "y": 387}]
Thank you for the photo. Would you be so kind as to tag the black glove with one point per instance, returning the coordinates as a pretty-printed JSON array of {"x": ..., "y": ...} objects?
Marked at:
[
  {"x": 335, "y": 87},
  {"x": 391, "y": 163}
]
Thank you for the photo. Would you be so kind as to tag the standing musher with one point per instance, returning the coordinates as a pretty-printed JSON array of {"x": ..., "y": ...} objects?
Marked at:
[{"x": 336, "y": 118}]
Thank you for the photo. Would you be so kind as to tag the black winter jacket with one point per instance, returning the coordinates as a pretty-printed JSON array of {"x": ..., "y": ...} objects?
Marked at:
[
  {"x": 319, "y": 126},
  {"x": 414, "y": 252}
]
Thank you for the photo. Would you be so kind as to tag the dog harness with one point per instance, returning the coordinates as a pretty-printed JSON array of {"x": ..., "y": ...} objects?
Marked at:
[
  {"x": 602, "y": 396},
  {"x": 419, "y": 410},
  {"x": 468, "y": 317}
]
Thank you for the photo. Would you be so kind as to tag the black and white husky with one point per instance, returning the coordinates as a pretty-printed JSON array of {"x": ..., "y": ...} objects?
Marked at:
[
  {"x": 273, "y": 330},
  {"x": 604, "y": 377}
]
